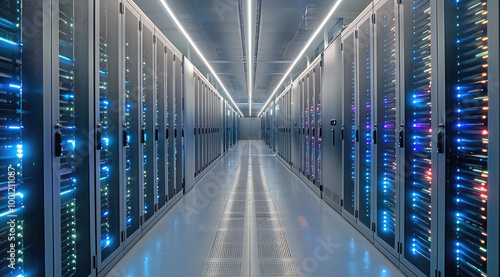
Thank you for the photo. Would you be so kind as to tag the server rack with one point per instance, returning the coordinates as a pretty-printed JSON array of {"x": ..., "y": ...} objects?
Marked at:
[
  {"x": 295, "y": 129},
  {"x": 364, "y": 116},
  {"x": 332, "y": 113},
  {"x": 132, "y": 123},
  {"x": 312, "y": 125},
  {"x": 318, "y": 76},
  {"x": 418, "y": 186},
  {"x": 11, "y": 133},
  {"x": 348, "y": 132},
  {"x": 171, "y": 125},
  {"x": 179, "y": 124},
  {"x": 465, "y": 133},
  {"x": 109, "y": 141},
  {"x": 149, "y": 131},
  {"x": 386, "y": 198},
  {"x": 161, "y": 117}
]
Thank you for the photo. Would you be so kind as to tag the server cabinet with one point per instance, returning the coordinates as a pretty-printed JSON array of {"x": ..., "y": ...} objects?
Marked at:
[
  {"x": 312, "y": 125},
  {"x": 13, "y": 139},
  {"x": 295, "y": 122},
  {"x": 418, "y": 187},
  {"x": 363, "y": 132},
  {"x": 332, "y": 114},
  {"x": 171, "y": 124},
  {"x": 348, "y": 131},
  {"x": 45, "y": 74},
  {"x": 132, "y": 123},
  {"x": 466, "y": 124},
  {"x": 386, "y": 119},
  {"x": 109, "y": 141},
  {"x": 197, "y": 124},
  {"x": 149, "y": 138},
  {"x": 161, "y": 119},
  {"x": 72, "y": 114},
  {"x": 306, "y": 148},
  {"x": 318, "y": 75},
  {"x": 179, "y": 124},
  {"x": 190, "y": 81}
]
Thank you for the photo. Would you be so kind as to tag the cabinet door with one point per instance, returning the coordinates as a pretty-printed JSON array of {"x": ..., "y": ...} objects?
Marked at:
[
  {"x": 11, "y": 134},
  {"x": 109, "y": 144},
  {"x": 132, "y": 123},
  {"x": 364, "y": 123},
  {"x": 416, "y": 167},
  {"x": 349, "y": 124},
  {"x": 387, "y": 130},
  {"x": 467, "y": 117},
  {"x": 170, "y": 123},
  {"x": 179, "y": 145},
  {"x": 319, "y": 132},
  {"x": 161, "y": 125},
  {"x": 149, "y": 113},
  {"x": 72, "y": 107},
  {"x": 332, "y": 117}
]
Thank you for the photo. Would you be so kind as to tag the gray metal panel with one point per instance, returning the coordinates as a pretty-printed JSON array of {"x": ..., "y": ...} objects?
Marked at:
[
  {"x": 332, "y": 113},
  {"x": 189, "y": 122}
]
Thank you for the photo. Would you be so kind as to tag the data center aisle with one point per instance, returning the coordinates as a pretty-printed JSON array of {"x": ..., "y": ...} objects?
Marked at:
[{"x": 250, "y": 216}]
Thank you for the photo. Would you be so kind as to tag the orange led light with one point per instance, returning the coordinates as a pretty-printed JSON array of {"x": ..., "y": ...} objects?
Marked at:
[
  {"x": 484, "y": 196},
  {"x": 485, "y": 132}
]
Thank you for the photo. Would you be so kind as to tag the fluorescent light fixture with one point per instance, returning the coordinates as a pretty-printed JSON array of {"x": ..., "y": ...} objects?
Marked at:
[
  {"x": 249, "y": 55},
  {"x": 200, "y": 54},
  {"x": 299, "y": 56}
]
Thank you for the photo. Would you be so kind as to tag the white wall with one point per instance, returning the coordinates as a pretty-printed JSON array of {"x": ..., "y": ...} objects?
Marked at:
[{"x": 250, "y": 128}]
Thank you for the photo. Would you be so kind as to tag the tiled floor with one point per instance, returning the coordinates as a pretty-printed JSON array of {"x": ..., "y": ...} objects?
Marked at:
[{"x": 239, "y": 198}]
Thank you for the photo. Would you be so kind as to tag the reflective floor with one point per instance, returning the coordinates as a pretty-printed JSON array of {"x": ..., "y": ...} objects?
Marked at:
[{"x": 251, "y": 216}]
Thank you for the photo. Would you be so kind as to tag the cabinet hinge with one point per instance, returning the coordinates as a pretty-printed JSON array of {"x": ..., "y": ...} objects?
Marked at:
[
  {"x": 320, "y": 187},
  {"x": 356, "y": 214},
  {"x": 356, "y": 34},
  {"x": 341, "y": 202},
  {"x": 166, "y": 49},
  {"x": 94, "y": 261},
  {"x": 373, "y": 227},
  {"x": 154, "y": 38},
  {"x": 166, "y": 198},
  {"x": 142, "y": 220},
  {"x": 342, "y": 47},
  {"x": 123, "y": 236},
  {"x": 400, "y": 1},
  {"x": 140, "y": 25},
  {"x": 174, "y": 57},
  {"x": 374, "y": 18},
  {"x": 122, "y": 8},
  {"x": 156, "y": 207}
]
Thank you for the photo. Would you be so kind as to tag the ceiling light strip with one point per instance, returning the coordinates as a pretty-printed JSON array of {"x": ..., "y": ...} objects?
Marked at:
[
  {"x": 301, "y": 54},
  {"x": 250, "y": 45},
  {"x": 197, "y": 50}
]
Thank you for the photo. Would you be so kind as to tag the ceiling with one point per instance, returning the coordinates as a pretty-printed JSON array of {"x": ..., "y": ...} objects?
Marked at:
[{"x": 281, "y": 30}]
